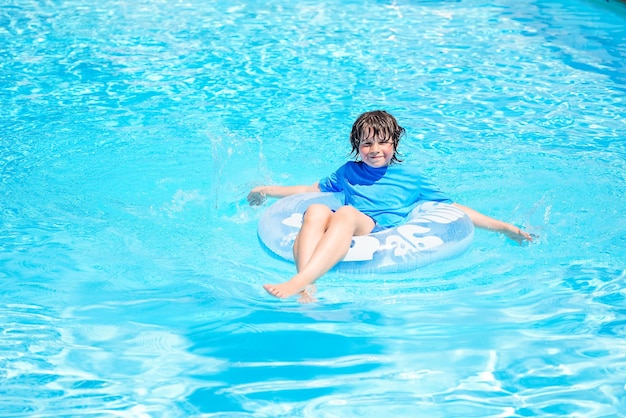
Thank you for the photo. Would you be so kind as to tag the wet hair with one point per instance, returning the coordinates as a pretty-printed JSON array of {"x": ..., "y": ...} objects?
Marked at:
[{"x": 377, "y": 123}]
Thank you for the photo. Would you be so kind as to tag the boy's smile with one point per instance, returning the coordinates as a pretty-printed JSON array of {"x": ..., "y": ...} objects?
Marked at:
[{"x": 376, "y": 152}]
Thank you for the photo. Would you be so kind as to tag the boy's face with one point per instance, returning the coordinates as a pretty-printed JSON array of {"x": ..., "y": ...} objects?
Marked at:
[{"x": 376, "y": 150}]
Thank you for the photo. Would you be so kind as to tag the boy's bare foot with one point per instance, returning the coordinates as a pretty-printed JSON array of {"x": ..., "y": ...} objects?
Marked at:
[
  {"x": 282, "y": 290},
  {"x": 307, "y": 295}
]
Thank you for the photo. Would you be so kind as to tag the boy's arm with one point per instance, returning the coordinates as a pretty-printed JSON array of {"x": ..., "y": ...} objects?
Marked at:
[
  {"x": 258, "y": 194},
  {"x": 484, "y": 221}
]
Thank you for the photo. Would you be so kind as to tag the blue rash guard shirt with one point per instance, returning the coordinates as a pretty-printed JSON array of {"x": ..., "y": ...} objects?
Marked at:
[{"x": 386, "y": 194}]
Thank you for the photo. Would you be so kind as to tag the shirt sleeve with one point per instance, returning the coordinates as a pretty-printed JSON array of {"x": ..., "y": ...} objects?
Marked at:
[{"x": 331, "y": 183}]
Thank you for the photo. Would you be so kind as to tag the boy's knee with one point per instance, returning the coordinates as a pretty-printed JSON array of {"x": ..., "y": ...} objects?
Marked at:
[
  {"x": 348, "y": 211},
  {"x": 317, "y": 212}
]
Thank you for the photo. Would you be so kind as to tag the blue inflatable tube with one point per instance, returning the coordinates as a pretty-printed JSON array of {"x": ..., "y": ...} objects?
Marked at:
[{"x": 433, "y": 231}]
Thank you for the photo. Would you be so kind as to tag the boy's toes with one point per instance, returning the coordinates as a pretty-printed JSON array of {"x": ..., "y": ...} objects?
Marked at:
[{"x": 272, "y": 290}]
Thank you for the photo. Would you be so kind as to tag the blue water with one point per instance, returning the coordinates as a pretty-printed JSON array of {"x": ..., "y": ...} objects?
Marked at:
[{"x": 130, "y": 271}]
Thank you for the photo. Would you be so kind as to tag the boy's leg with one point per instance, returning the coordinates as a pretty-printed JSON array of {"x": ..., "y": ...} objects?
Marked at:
[
  {"x": 314, "y": 224},
  {"x": 330, "y": 249}
]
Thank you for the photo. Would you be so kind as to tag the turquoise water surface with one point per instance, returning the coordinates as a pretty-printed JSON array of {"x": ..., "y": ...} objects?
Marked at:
[{"x": 130, "y": 270}]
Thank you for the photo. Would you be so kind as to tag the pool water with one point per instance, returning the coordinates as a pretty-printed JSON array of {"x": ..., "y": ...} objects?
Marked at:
[{"x": 131, "y": 274}]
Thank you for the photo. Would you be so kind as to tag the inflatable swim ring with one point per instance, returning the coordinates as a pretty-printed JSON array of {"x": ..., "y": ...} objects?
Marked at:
[{"x": 433, "y": 231}]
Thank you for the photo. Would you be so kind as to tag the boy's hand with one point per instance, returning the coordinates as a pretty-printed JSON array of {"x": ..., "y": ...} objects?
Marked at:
[
  {"x": 256, "y": 198},
  {"x": 519, "y": 235}
]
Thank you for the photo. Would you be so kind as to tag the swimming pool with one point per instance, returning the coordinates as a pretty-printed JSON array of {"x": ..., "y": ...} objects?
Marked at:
[{"x": 130, "y": 269}]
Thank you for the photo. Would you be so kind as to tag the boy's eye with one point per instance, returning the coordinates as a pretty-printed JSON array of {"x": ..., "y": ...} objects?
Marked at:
[{"x": 379, "y": 142}]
